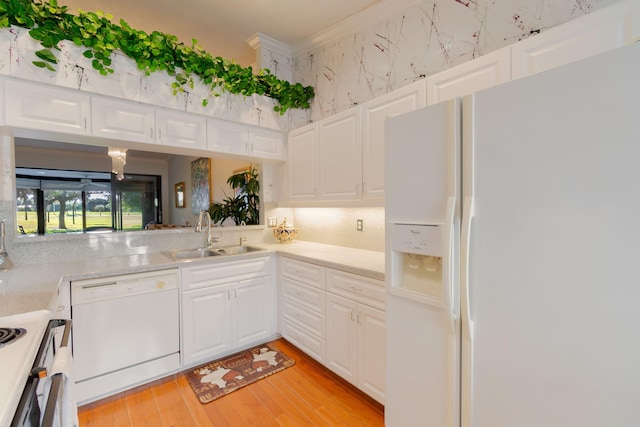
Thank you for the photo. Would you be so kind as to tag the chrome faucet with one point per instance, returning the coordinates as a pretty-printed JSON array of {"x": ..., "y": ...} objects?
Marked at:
[
  {"x": 5, "y": 262},
  {"x": 201, "y": 216},
  {"x": 242, "y": 225}
]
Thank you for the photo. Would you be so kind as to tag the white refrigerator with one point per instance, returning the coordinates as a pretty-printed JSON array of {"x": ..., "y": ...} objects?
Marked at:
[{"x": 512, "y": 245}]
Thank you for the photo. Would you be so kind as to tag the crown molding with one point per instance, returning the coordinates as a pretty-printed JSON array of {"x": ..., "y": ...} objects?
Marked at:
[
  {"x": 259, "y": 40},
  {"x": 373, "y": 14}
]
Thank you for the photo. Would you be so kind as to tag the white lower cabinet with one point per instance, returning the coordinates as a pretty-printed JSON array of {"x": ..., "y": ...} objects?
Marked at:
[
  {"x": 225, "y": 307},
  {"x": 338, "y": 319},
  {"x": 356, "y": 348},
  {"x": 302, "y": 306}
]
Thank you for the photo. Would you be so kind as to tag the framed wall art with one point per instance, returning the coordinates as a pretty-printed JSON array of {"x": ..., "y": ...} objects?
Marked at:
[
  {"x": 179, "y": 194},
  {"x": 200, "y": 184}
]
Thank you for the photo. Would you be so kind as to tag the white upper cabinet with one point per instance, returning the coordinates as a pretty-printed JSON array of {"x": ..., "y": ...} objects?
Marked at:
[
  {"x": 35, "y": 106},
  {"x": 126, "y": 121},
  {"x": 481, "y": 73},
  {"x": 235, "y": 138},
  {"x": 302, "y": 168},
  {"x": 374, "y": 115},
  {"x": 181, "y": 129},
  {"x": 340, "y": 156},
  {"x": 349, "y": 148},
  {"x": 226, "y": 137},
  {"x": 266, "y": 143},
  {"x": 606, "y": 29}
]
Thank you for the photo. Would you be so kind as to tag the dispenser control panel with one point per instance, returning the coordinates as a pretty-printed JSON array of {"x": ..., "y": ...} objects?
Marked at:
[{"x": 417, "y": 239}]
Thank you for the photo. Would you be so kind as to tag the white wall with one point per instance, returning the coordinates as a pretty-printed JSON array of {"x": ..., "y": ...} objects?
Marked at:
[{"x": 337, "y": 226}]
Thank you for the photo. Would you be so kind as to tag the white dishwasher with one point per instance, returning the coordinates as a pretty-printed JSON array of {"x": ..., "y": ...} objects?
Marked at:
[{"x": 125, "y": 331}]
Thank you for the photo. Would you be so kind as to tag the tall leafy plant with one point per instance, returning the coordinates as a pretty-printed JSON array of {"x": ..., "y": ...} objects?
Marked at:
[
  {"x": 244, "y": 207},
  {"x": 50, "y": 23}
]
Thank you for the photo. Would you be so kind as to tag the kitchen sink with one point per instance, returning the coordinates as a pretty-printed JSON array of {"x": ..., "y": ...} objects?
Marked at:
[
  {"x": 236, "y": 250},
  {"x": 209, "y": 252},
  {"x": 193, "y": 253}
]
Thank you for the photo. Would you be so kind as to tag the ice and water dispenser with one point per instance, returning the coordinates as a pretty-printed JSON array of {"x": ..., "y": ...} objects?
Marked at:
[{"x": 416, "y": 259}]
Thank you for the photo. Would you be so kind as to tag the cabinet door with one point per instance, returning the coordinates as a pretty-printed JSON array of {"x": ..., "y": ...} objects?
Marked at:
[
  {"x": 374, "y": 114},
  {"x": 371, "y": 352},
  {"x": 227, "y": 137},
  {"x": 122, "y": 120},
  {"x": 598, "y": 32},
  {"x": 340, "y": 154},
  {"x": 302, "y": 164},
  {"x": 180, "y": 129},
  {"x": 266, "y": 143},
  {"x": 342, "y": 343},
  {"x": 206, "y": 323},
  {"x": 253, "y": 312},
  {"x": 35, "y": 106},
  {"x": 486, "y": 71}
]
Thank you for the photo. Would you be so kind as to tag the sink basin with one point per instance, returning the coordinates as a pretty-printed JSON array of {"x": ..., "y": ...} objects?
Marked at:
[
  {"x": 236, "y": 250},
  {"x": 193, "y": 253},
  {"x": 209, "y": 252}
]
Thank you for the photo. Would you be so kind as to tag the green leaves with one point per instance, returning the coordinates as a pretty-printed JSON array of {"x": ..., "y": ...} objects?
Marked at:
[
  {"x": 245, "y": 206},
  {"x": 50, "y": 24}
]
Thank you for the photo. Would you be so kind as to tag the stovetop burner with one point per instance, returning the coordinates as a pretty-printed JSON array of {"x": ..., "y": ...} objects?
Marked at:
[{"x": 9, "y": 335}]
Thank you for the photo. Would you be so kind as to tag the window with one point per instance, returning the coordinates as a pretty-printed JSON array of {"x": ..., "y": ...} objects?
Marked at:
[{"x": 56, "y": 201}]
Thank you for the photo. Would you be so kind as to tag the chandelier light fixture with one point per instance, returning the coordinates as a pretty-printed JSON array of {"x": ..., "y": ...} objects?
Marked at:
[{"x": 118, "y": 160}]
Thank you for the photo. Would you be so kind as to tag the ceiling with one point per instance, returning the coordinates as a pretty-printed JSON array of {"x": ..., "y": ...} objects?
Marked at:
[{"x": 223, "y": 26}]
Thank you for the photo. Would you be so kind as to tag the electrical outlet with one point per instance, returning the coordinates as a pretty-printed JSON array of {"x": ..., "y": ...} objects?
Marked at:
[
  {"x": 273, "y": 221},
  {"x": 359, "y": 224}
]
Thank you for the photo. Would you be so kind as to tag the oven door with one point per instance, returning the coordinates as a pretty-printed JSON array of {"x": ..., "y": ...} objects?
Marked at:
[{"x": 41, "y": 401}]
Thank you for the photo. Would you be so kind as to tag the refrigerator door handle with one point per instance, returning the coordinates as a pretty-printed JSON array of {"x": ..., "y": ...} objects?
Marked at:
[
  {"x": 465, "y": 241},
  {"x": 447, "y": 267}
]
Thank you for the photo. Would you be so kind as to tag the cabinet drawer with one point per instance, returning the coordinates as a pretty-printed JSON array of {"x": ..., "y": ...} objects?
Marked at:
[
  {"x": 310, "y": 344},
  {"x": 217, "y": 274},
  {"x": 300, "y": 316},
  {"x": 357, "y": 288},
  {"x": 306, "y": 296},
  {"x": 310, "y": 274}
]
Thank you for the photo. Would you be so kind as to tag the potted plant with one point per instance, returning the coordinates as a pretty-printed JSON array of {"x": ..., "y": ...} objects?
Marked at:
[{"x": 244, "y": 208}]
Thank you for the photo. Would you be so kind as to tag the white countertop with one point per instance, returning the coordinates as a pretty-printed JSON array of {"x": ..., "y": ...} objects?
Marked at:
[{"x": 34, "y": 287}]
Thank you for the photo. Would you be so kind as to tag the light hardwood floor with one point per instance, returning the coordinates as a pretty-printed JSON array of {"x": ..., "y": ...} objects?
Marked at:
[{"x": 306, "y": 394}]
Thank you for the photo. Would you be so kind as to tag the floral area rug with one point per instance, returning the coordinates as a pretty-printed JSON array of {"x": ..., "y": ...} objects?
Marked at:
[{"x": 218, "y": 378}]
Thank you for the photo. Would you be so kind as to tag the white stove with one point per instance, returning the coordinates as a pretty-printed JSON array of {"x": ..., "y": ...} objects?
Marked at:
[{"x": 17, "y": 357}]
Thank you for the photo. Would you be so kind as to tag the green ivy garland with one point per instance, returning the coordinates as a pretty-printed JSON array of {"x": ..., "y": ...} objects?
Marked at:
[{"x": 49, "y": 24}]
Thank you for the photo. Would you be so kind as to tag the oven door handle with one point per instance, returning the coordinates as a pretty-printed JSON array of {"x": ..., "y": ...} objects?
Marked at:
[{"x": 57, "y": 383}]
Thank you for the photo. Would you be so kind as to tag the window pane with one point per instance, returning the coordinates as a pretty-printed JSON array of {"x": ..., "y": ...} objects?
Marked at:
[
  {"x": 26, "y": 211},
  {"x": 99, "y": 211},
  {"x": 63, "y": 211},
  {"x": 137, "y": 202}
]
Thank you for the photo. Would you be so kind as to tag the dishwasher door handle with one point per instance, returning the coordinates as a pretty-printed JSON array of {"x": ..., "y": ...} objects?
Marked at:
[{"x": 98, "y": 285}]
